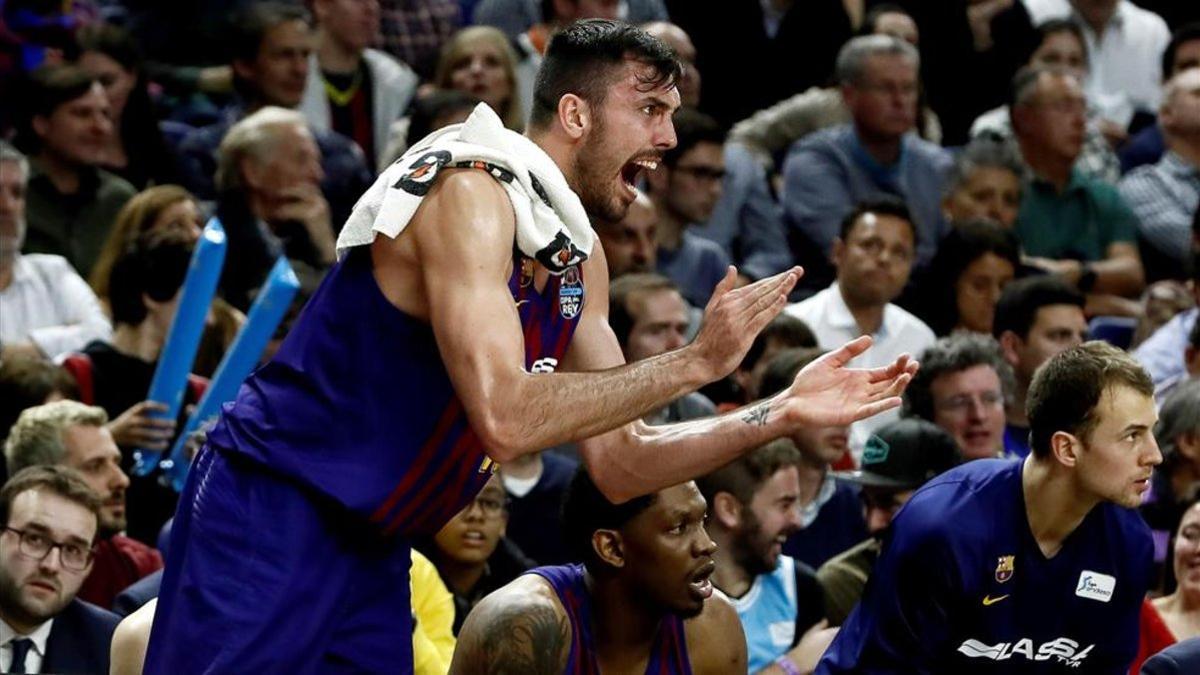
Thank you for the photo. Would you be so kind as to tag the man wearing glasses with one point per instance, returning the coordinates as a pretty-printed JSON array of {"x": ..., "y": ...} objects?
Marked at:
[
  {"x": 685, "y": 189},
  {"x": 50, "y": 519},
  {"x": 962, "y": 386}
]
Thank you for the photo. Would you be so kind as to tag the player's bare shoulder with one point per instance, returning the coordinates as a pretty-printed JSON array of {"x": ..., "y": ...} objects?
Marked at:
[
  {"x": 521, "y": 628},
  {"x": 465, "y": 219},
  {"x": 716, "y": 643}
]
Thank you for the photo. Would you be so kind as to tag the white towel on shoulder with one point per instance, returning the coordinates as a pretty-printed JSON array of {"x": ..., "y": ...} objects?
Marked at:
[{"x": 552, "y": 226}]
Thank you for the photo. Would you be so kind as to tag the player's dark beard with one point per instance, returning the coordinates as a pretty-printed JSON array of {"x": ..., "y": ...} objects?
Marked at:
[
  {"x": 594, "y": 177},
  {"x": 748, "y": 545}
]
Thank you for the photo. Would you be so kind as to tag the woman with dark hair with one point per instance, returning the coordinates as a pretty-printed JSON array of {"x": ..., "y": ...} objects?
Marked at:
[
  {"x": 137, "y": 151},
  {"x": 959, "y": 291}
]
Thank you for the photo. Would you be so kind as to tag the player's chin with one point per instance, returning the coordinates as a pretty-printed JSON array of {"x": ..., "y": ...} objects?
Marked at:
[{"x": 689, "y": 608}]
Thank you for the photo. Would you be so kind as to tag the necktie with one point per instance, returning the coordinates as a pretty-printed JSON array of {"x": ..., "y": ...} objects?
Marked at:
[{"x": 20, "y": 648}]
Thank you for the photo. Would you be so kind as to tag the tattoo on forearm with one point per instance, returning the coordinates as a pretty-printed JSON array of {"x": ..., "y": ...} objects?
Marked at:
[
  {"x": 524, "y": 641},
  {"x": 757, "y": 416}
]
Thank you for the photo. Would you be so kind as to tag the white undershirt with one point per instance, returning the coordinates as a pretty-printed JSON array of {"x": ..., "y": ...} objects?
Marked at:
[{"x": 33, "y": 659}]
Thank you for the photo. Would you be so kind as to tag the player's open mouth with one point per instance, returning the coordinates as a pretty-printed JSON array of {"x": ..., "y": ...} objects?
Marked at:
[
  {"x": 633, "y": 170},
  {"x": 701, "y": 582}
]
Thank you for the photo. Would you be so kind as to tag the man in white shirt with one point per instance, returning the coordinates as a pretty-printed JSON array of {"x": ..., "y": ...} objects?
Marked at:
[
  {"x": 46, "y": 308},
  {"x": 1125, "y": 45},
  {"x": 50, "y": 517},
  {"x": 874, "y": 256}
]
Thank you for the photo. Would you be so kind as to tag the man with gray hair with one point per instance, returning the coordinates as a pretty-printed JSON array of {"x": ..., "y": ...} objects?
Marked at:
[
  {"x": 74, "y": 435},
  {"x": 270, "y": 202},
  {"x": 828, "y": 172},
  {"x": 962, "y": 387},
  {"x": 47, "y": 308}
]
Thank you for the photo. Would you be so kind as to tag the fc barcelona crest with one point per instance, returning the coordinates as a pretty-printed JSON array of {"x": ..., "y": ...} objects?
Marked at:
[
  {"x": 570, "y": 294},
  {"x": 1004, "y": 568}
]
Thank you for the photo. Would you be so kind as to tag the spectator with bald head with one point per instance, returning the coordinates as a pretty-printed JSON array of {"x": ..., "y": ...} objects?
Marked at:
[
  {"x": 677, "y": 39},
  {"x": 270, "y": 201}
]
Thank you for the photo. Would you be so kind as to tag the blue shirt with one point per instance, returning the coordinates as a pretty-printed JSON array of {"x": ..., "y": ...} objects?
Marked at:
[
  {"x": 777, "y": 609},
  {"x": 828, "y": 172},
  {"x": 696, "y": 267},
  {"x": 962, "y": 587}
]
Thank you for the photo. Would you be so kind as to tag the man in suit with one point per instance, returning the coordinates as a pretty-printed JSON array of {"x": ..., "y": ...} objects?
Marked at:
[{"x": 50, "y": 517}]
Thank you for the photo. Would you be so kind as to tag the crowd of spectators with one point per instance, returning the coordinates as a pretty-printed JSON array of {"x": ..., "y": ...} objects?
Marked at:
[{"x": 980, "y": 184}]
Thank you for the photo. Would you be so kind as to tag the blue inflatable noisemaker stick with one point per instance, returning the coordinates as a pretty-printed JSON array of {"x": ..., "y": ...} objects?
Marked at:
[
  {"x": 266, "y": 313},
  {"x": 183, "y": 339}
]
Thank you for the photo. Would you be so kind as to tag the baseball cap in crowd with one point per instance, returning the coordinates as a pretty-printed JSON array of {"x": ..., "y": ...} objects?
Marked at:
[{"x": 904, "y": 454}]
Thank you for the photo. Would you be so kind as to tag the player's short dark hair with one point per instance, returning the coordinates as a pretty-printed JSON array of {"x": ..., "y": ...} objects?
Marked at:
[
  {"x": 692, "y": 128},
  {"x": 783, "y": 367},
  {"x": 1020, "y": 301},
  {"x": 257, "y": 19},
  {"x": 1186, "y": 33},
  {"x": 785, "y": 329},
  {"x": 620, "y": 318},
  {"x": 586, "y": 57},
  {"x": 586, "y": 509},
  {"x": 154, "y": 265},
  {"x": 43, "y": 92},
  {"x": 1066, "y": 390},
  {"x": 745, "y": 475},
  {"x": 883, "y": 205},
  {"x": 61, "y": 480},
  {"x": 953, "y": 354}
]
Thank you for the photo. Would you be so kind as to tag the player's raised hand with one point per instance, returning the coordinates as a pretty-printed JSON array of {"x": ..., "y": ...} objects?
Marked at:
[
  {"x": 734, "y": 317},
  {"x": 827, "y": 393}
]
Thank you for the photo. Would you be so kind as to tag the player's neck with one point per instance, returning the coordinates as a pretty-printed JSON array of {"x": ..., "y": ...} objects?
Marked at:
[
  {"x": 1054, "y": 506},
  {"x": 621, "y": 624}
]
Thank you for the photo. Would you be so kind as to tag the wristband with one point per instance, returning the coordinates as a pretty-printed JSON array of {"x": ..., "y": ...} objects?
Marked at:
[{"x": 785, "y": 664}]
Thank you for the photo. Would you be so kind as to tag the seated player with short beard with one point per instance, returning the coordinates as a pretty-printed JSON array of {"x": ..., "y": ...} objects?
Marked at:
[{"x": 642, "y": 601}]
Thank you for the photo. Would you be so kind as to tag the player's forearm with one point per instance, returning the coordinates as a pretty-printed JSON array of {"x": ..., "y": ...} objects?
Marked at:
[
  {"x": 544, "y": 410},
  {"x": 1119, "y": 276},
  {"x": 642, "y": 459}
]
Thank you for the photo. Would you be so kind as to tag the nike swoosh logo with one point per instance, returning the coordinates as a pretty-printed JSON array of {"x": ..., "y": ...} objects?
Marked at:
[
  {"x": 521, "y": 302},
  {"x": 989, "y": 600}
]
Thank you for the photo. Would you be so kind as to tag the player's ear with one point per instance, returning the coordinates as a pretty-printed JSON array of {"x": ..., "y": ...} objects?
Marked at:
[
  {"x": 575, "y": 115},
  {"x": 726, "y": 510},
  {"x": 1065, "y": 448},
  {"x": 608, "y": 547}
]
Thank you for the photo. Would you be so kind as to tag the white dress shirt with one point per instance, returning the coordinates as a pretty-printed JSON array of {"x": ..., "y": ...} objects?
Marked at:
[
  {"x": 900, "y": 332},
  {"x": 37, "y": 653},
  {"x": 50, "y": 304},
  {"x": 1126, "y": 59}
]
